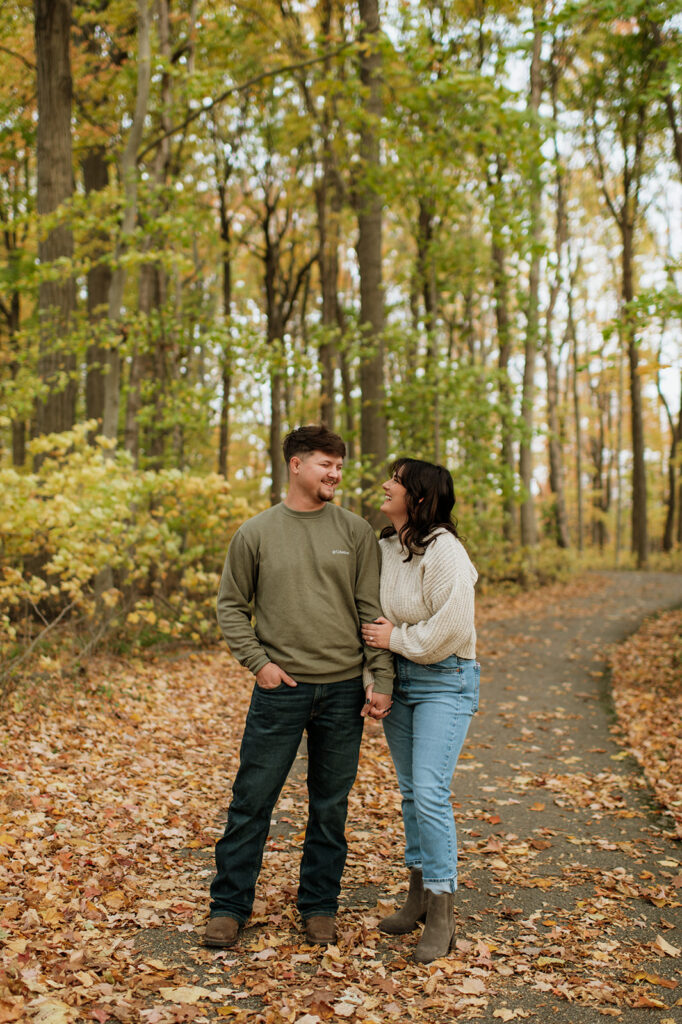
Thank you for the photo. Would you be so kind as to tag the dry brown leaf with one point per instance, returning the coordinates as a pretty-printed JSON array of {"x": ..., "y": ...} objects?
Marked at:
[
  {"x": 666, "y": 947},
  {"x": 52, "y": 1011}
]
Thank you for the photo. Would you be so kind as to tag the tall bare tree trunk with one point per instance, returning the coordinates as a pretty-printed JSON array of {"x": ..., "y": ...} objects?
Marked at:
[
  {"x": 373, "y": 433},
  {"x": 573, "y": 339},
  {"x": 640, "y": 543},
  {"x": 679, "y": 486},
  {"x": 56, "y": 410},
  {"x": 675, "y": 438},
  {"x": 129, "y": 179},
  {"x": 276, "y": 458},
  {"x": 226, "y": 353},
  {"x": 95, "y": 178},
  {"x": 329, "y": 204},
  {"x": 529, "y": 532},
  {"x": 11, "y": 312},
  {"x": 328, "y": 209},
  {"x": 501, "y": 294},
  {"x": 556, "y": 460}
]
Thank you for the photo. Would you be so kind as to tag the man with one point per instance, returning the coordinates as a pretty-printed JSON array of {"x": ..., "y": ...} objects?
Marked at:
[{"x": 311, "y": 570}]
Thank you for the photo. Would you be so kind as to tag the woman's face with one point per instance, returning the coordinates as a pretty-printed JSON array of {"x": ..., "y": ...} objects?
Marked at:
[{"x": 395, "y": 503}]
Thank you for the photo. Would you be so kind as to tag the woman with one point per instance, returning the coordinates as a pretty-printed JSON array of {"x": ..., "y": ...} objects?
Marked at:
[{"x": 427, "y": 596}]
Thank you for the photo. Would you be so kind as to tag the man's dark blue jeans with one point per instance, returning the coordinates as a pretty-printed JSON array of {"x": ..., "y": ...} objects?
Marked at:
[{"x": 277, "y": 719}]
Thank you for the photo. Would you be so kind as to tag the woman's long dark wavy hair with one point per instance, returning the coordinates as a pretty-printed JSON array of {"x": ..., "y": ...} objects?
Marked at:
[{"x": 430, "y": 500}]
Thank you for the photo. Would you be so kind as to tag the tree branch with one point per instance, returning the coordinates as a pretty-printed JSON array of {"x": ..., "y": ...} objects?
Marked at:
[
  {"x": 235, "y": 90},
  {"x": 19, "y": 56}
]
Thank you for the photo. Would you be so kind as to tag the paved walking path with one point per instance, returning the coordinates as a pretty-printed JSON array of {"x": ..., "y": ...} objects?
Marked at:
[
  {"x": 570, "y": 901},
  {"x": 572, "y": 864}
]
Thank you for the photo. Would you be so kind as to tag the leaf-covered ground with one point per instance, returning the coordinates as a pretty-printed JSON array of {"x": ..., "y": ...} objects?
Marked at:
[
  {"x": 647, "y": 693},
  {"x": 570, "y": 900}
]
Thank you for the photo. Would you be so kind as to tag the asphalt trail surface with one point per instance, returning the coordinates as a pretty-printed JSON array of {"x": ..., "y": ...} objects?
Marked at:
[{"x": 544, "y": 766}]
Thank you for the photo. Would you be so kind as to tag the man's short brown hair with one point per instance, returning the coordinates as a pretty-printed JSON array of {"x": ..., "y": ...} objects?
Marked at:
[{"x": 314, "y": 438}]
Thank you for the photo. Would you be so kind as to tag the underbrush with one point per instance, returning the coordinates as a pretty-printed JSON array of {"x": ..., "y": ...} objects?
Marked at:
[
  {"x": 510, "y": 568},
  {"x": 95, "y": 554},
  {"x": 93, "y": 551}
]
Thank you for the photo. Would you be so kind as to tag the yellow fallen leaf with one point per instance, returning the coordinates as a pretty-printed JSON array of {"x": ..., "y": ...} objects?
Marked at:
[
  {"x": 115, "y": 899},
  {"x": 85, "y": 979},
  {"x": 7, "y": 840},
  {"x": 11, "y": 1010},
  {"x": 17, "y": 945},
  {"x": 52, "y": 915},
  {"x": 504, "y": 1013},
  {"x": 654, "y": 979}
]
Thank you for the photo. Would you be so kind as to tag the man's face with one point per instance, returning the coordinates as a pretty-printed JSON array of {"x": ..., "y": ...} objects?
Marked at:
[{"x": 318, "y": 474}]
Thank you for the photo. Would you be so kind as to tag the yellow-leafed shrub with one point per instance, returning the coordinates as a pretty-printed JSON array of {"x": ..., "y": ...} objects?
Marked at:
[{"x": 132, "y": 554}]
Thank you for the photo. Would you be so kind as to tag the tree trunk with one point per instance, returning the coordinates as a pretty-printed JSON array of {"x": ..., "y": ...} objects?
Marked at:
[
  {"x": 328, "y": 209},
  {"x": 671, "y": 498},
  {"x": 426, "y": 272},
  {"x": 639, "y": 500},
  {"x": 373, "y": 433},
  {"x": 276, "y": 458},
  {"x": 128, "y": 174},
  {"x": 529, "y": 533},
  {"x": 501, "y": 294},
  {"x": 573, "y": 338},
  {"x": 56, "y": 411},
  {"x": 226, "y": 353},
  {"x": 12, "y": 314},
  {"x": 95, "y": 178},
  {"x": 600, "y": 495},
  {"x": 617, "y": 454},
  {"x": 556, "y": 461},
  {"x": 679, "y": 487}
]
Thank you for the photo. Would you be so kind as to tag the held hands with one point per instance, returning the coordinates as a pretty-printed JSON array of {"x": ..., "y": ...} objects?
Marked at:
[
  {"x": 377, "y": 705},
  {"x": 271, "y": 675},
  {"x": 377, "y": 633}
]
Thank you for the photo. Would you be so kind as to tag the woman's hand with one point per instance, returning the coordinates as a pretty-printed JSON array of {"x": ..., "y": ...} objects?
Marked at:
[
  {"x": 377, "y": 705},
  {"x": 377, "y": 633}
]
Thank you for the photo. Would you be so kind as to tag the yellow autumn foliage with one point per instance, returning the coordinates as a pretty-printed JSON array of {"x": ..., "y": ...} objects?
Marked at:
[{"x": 130, "y": 553}]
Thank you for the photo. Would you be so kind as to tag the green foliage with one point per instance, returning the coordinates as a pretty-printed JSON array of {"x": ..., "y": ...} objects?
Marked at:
[{"x": 130, "y": 555}]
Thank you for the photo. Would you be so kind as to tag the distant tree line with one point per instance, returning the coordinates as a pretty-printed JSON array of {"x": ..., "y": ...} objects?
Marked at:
[{"x": 450, "y": 229}]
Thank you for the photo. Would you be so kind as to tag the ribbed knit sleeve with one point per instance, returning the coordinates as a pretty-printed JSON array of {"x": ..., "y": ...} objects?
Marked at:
[{"x": 430, "y": 600}]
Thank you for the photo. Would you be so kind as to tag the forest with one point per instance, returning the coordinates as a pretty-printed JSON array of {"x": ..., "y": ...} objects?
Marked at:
[{"x": 445, "y": 228}]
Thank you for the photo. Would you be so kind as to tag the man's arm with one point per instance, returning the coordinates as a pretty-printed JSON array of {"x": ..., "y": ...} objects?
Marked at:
[
  {"x": 379, "y": 662},
  {"x": 237, "y": 588}
]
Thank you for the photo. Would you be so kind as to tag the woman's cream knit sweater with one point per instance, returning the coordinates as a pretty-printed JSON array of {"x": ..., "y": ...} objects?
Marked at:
[{"x": 430, "y": 599}]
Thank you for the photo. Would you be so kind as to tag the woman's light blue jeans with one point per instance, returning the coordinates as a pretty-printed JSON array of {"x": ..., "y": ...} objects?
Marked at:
[{"x": 427, "y": 726}]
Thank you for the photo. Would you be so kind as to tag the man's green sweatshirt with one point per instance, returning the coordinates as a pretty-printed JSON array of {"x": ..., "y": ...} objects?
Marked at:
[{"x": 311, "y": 579}]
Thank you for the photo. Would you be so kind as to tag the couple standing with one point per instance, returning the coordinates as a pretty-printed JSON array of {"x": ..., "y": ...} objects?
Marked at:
[{"x": 324, "y": 657}]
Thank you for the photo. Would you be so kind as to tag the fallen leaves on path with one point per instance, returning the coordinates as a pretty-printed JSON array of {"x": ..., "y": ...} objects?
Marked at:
[
  {"x": 647, "y": 693},
  {"x": 115, "y": 793}
]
